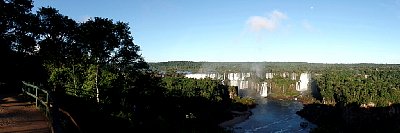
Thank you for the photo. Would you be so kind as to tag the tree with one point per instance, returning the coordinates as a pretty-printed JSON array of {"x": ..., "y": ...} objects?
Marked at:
[
  {"x": 58, "y": 47},
  {"x": 18, "y": 27}
]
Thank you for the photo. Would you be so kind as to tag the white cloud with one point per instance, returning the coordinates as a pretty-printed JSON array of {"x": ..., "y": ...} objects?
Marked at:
[{"x": 270, "y": 22}]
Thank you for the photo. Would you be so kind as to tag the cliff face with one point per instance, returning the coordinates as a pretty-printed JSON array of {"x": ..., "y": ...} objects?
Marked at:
[{"x": 264, "y": 84}]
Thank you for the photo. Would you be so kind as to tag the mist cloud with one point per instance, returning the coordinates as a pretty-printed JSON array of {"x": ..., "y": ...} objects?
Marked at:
[{"x": 270, "y": 22}]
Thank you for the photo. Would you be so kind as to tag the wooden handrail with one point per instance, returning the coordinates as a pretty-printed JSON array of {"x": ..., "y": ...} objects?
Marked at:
[
  {"x": 37, "y": 98},
  {"x": 46, "y": 102},
  {"x": 33, "y": 86}
]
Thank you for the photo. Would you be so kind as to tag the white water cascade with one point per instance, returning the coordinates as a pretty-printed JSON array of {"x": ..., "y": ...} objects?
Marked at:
[
  {"x": 264, "y": 89},
  {"x": 302, "y": 84}
]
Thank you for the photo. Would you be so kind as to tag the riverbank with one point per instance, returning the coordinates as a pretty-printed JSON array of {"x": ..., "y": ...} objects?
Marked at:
[
  {"x": 238, "y": 117},
  {"x": 302, "y": 99}
]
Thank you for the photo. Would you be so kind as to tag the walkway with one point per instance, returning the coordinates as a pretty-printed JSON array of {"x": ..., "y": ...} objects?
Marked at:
[{"x": 18, "y": 116}]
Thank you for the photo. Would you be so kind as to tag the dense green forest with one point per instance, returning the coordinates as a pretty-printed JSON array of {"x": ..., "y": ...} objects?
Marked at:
[
  {"x": 363, "y": 99},
  {"x": 94, "y": 71},
  {"x": 380, "y": 87}
]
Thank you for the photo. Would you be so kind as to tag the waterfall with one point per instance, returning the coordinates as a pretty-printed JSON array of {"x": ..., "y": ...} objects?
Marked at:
[
  {"x": 264, "y": 89},
  {"x": 302, "y": 84}
]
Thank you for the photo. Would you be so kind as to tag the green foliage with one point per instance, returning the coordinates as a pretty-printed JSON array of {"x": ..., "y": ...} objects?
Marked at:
[
  {"x": 89, "y": 82},
  {"x": 283, "y": 87},
  {"x": 360, "y": 86},
  {"x": 247, "y": 101},
  {"x": 58, "y": 75},
  {"x": 187, "y": 87}
]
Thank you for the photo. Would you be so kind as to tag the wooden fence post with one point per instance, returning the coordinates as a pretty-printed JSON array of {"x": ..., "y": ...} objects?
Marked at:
[{"x": 36, "y": 97}]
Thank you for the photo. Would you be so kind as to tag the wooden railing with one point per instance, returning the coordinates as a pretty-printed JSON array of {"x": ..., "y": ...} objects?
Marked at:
[
  {"x": 41, "y": 96},
  {"x": 43, "y": 100}
]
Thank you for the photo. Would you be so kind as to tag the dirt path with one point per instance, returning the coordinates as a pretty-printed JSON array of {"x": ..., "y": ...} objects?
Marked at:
[{"x": 18, "y": 116}]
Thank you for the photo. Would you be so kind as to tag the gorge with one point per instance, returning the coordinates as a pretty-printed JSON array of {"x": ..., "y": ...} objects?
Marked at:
[{"x": 269, "y": 115}]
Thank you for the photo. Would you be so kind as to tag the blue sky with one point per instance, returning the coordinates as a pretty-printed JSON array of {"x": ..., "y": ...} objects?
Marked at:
[{"x": 317, "y": 31}]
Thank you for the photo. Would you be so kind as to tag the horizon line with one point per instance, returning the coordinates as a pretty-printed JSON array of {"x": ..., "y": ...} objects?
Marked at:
[{"x": 268, "y": 62}]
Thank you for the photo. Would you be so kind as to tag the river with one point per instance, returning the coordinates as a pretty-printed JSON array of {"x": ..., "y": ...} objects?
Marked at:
[{"x": 274, "y": 116}]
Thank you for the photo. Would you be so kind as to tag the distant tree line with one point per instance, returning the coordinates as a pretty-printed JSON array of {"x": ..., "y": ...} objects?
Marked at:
[{"x": 273, "y": 67}]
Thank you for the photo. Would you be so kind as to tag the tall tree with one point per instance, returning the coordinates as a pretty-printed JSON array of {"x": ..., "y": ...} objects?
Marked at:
[
  {"x": 18, "y": 34},
  {"x": 56, "y": 46}
]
